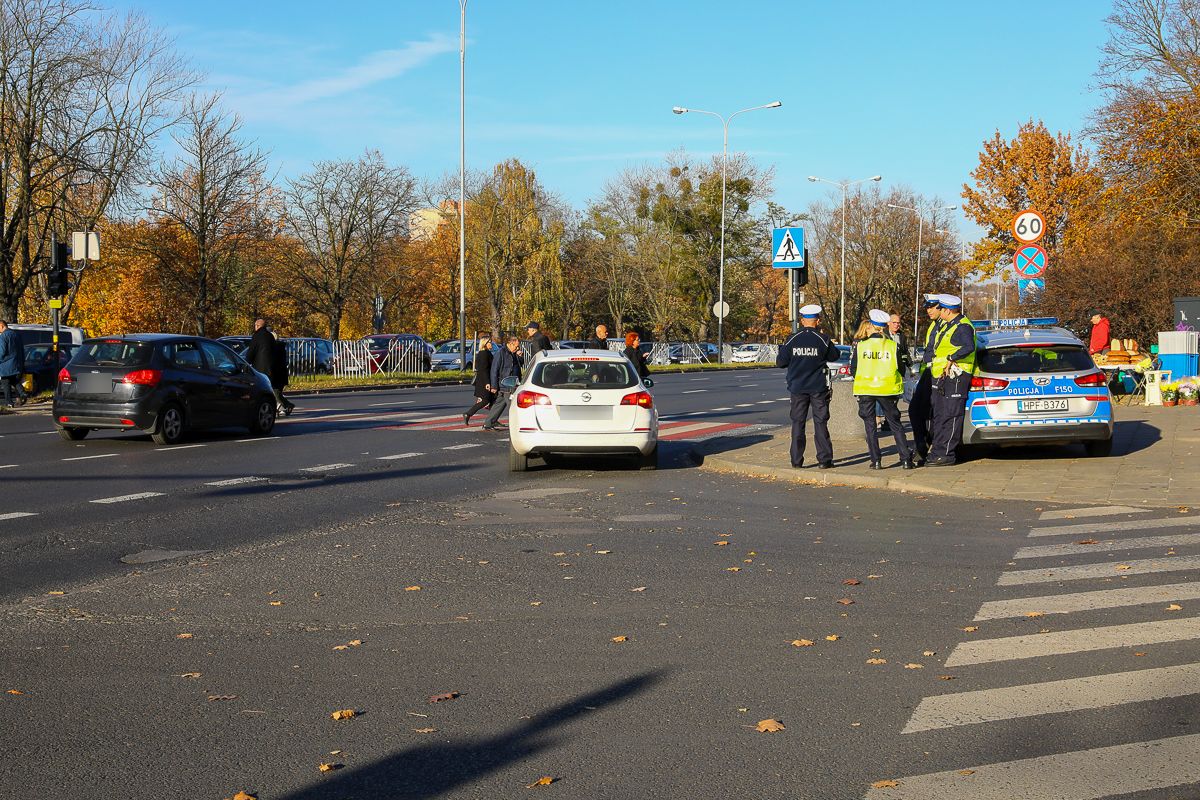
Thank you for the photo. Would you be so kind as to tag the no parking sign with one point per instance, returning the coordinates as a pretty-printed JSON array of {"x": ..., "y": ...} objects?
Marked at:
[{"x": 1030, "y": 261}]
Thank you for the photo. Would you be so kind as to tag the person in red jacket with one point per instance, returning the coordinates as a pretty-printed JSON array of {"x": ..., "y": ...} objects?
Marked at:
[{"x": 1099, "y": 340}]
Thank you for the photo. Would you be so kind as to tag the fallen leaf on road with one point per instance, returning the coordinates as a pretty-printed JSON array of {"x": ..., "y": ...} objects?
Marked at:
[
  {"x": 424, "y": 730},
  {"x": 876, "y": 660},
  {"x": 15, "y": 691},
  {"x": 833, "y": 637},
  {"x": 733, "y": 569},
  {"x": 214, "y": 698},
  {"x": 802, "y": 643},
  {"x": 914, "y": 666},
  {"x": 929, "y": 653},
  {"x": 845, "y": 601},
  {"x": 638, "y": 589},
  {"x": 545, "y": 780},
  {"x": 1174, "y": 607},
  {"x": 873, "y": 577},
  {"x": 244, "y": 796},
  {"x": 190, "y": 675},
  {"x": 721, "y": 543},
  {"x": 329, "y": 767},
  {"x": 341, "y": 647},
  {"x": 412, "y": 588},
  {"x": 1035, "y": 613},
  {"x": 947, "y": 677},
  {"x": 1139, "y": 655},
  {"x": 885, "y": 784},
  {"x": 769, "y": 726},
  {"x": 971, "y": 628},
  {"x": 1087, "y": 541},
  {"x": 851, "y": 582},
  {"x": 183, "y": 636},
  {"x": 620, "y": 638},
  {"x": 56, "y": 593},
  {"x": 276, "y": 603},
  {"x": 443, "y": 697},
  {"x": 966, "y": 772},
  {"x": 335, "y": 752},
  {"x": 603, "y": 552},
  {"x": 1183, "y": 509},
  {"x": 344, "y": 713},
  {"x": 536, "y": 603}
]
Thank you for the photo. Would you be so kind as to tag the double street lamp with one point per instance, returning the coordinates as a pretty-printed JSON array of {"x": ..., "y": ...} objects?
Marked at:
[
  {"x": 724, "y": 170},
  {"x": 843, "y": 186},
  {"x": 920, "y": 226}
]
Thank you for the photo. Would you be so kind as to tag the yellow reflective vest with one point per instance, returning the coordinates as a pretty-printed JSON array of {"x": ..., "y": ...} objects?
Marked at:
[
  {"x": 943, "y": 348},
  {"x": 877, "y": 368}
]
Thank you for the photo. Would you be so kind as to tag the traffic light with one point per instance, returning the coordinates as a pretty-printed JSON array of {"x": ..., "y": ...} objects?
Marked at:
[
  {"x": 57, "y": 283},
  {"x": 802, "y": 272}
]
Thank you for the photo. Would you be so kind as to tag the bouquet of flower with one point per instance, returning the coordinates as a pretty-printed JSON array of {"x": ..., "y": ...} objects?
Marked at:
[{"x": 1189, "y": 392}]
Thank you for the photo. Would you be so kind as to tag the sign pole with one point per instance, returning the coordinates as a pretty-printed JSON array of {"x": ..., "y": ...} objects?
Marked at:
[
  {"x": 54, "y": 319},
  {"x": 792, "y": 300}
]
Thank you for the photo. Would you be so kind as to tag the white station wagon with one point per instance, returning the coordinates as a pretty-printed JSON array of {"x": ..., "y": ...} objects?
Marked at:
[{"x": 581, "y": 402}]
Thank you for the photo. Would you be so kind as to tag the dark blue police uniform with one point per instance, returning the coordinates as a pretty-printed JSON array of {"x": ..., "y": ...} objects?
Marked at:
[
  {"x": 805, "y": 357},
  {"x": 920, "y": 410},
  {"x": 949, "y": 394}
]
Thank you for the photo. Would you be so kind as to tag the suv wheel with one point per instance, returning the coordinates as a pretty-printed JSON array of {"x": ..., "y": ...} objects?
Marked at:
[
  {"x": 264, "y": 417},
  {"x": 516, "y": 461},
  {"x": 73, "y": 434},
  {"x": 169, "y": 429},
  {"x": 649, "y": 460}
]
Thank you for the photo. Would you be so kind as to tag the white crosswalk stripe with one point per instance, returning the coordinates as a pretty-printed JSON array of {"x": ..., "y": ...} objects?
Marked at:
[
  {"x": 1089, "y": 601},
  {"x": 1098, "y": 511},
  {"x": 1140, "y": 543},
  {"x": 1092, "y": 528},
  {"x": 1108, "y": 569},
  {"x": 1056, "y": 643}
]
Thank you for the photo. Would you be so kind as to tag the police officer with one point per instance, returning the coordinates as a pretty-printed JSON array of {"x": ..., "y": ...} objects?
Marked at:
[
  {"x": 920, "y": 409},
  {"x": 805, "y": 356},
  {"x": 879, "y": 379},
  {"x": 952, "y": 366}
]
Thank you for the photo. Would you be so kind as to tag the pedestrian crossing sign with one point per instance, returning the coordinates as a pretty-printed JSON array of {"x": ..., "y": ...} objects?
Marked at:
[{"x": 787, "y": 245}]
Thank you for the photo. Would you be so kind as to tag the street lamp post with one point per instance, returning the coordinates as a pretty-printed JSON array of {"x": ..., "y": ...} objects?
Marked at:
[
  {"x": 843, "y": 185},
  {"x": 462, "y": 184},
  {"x": 920, "y": 224},
  {"x": 724, "y": 170},
  {"x": 962, "y": 276}
]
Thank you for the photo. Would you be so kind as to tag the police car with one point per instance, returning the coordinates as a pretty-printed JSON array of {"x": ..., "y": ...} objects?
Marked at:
[{"x": 1035, "y": 383}]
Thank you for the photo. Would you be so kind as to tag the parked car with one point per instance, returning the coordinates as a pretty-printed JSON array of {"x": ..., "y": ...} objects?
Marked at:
[
  {"x": 746, "y": 353},
  {"x": 44, "y": 334},
  {"x": 308, "y": 355},
  {"x": 840, "y": 370},
  {"x": 571, "y": 344},
  {"x": 692, "y": 353},
  {"x": 398, "y": 352},
  {"x": 583, "y": 404},
  {"x": 237, "y": 344},
  {"x": 160, "y": 384},
  {"x": 447, "y": 357},
  {"x": 41, "y": 367}
]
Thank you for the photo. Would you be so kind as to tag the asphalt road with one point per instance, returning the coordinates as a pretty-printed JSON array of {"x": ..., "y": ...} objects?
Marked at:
[{"x": 525, "y": 581}]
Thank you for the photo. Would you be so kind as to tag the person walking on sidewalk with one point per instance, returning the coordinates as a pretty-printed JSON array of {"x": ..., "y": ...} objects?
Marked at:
[
  {"x": 920, "y": 409},
  {"x": 269, "y": 356},
  {"x": 805, "y": 356},
  {"x": 12, "y": 365},
  {"x": 485, "y": 394},
  {"x": 879, "y": 380},
  {"x": 538, "y": 341},
  {"x": 507, "y": 363},
  {"x": 952, "y": 367}
]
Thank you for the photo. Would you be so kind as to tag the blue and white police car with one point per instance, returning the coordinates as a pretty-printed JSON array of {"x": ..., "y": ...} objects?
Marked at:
[{"x": 1035, "y": 383}]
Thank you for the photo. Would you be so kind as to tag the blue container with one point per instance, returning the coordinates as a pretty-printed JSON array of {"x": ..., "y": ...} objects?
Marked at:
[{"x": 1181, "y": 365}]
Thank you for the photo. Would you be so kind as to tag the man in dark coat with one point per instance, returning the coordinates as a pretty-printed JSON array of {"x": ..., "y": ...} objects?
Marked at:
[
  {"x": 538, "y": 341},
  {"x": 508, "y": 363},
  {"x": 485, "y": 393},
  {"x": 12, "y": 364},
  {"x": 600, "y": 340},
  {"x": 805, "y": 356},
  {"x": 268, "y": 355}
]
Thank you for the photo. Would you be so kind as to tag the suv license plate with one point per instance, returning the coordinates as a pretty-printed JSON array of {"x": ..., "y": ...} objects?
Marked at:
[{"x": 1054, "y": 404}]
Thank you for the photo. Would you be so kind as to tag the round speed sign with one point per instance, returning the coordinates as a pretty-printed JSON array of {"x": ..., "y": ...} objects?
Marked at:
[{"x": 1028, "y": 227}]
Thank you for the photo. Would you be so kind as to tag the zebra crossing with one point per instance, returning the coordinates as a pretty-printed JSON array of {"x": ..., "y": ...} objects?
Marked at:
[
  {"x": 668, "y": 430},
  {"x": 1135, "y": 618}
]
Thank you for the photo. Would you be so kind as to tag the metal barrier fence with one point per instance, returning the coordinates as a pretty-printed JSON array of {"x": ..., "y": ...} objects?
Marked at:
[{"x": 361, "y": 357}]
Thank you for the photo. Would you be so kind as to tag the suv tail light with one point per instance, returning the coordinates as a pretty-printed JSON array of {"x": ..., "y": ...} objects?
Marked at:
[
  {"x": 642, "y": 399},
  {"x": 1092, "y": 379},
  {"x": 527, "y": 398},
  {"x": 64, "y": 376},
  {"x": 143, "y": 377},
  {"x": 979, "y": 384}
]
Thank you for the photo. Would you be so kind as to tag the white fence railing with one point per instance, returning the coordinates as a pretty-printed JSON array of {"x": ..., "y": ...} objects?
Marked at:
[{"x": 361, "y": 357}]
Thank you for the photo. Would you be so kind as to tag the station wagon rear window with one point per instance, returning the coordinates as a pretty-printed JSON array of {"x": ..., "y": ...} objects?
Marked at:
[
  {"x": 113, "y": 353},
  {"x": 595, "y": 374},
  {"x": 1035, "y": 359}
]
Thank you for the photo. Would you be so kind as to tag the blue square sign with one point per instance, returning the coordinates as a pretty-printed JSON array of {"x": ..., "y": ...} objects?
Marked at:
[{"x": 787, "y": 246}]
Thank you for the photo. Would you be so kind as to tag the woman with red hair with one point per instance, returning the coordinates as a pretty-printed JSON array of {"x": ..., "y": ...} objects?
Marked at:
[{"x": 632, "y": 340}]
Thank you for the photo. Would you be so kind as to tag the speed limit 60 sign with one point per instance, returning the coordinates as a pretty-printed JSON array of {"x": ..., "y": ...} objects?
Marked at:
[{"x": 1028, "y": 226}]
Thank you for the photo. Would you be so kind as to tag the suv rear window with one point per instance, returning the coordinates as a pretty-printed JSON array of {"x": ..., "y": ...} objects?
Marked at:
[
  {"x": 584, "y": 375},
  {"x": 1032, "y": 359},
  {"x": 113, "y": 353}
]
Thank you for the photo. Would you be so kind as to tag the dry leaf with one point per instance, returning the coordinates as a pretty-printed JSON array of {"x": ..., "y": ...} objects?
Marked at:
[
  {"x": 1124, "y": 566},
  {"x": 929, "y": 653},
  {"x": 845, "y": 601},
  {"x": 602, "y": 552},
  {"x": 721, "y": 543},
  {"x": 1087, "y": 541},
  {"x": 344, "y": 713},
  {"x": 914, "y": 666},
  {"x": 329, "y": 767},
  {"x": 620, "y": 638},
  {"x": 1183, "y": 509},
  {"x": 183, "y": 636},
  {"x": 769, "y": 726},
  {"x": 638, "y": 589},
  {"x": 412, "y": 588},
  {"x": 244, "y": 796},
  {"x": 971, "y": 628},
  {"x": 536, "y": 603},
  {"x": 873, "y": 577},
  {"x": 802, "y": 643},
  {"x": 1139, "y": 655},
  {"x": 733, "y": 569},
  {"x": 341, "y": 647},
  {"x": 424, "y": 730},
  {"x": 15, "y": 691},
  {"x": 966, "y": 772},
  {"x": 190, "y": 675},
  {"x": 354, "y": 642},
  {"x": 56, "y": 593},
  {"x": 851, "y": 582},
  {"x": 1035, "y": 613},
  {"x": 886, "y": 784},
  {"x": 876, "y": 660},
  {"x": 215, "y": 698},
  {"x": 947, "y": 677},
  {"x": 545, "y": 780},
  {"x": 275, "y": 603},
  {"x": 833, "y": 637},
  {"x": 444, "y": 696},
  {"x": 1174, "y": 607}
]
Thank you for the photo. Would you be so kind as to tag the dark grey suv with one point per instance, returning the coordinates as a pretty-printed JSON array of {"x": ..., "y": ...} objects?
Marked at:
[{"x": 161, "y": 384}]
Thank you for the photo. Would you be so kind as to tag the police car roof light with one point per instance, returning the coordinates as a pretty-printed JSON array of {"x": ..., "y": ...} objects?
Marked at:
[{"x": 1019, "y": 322}]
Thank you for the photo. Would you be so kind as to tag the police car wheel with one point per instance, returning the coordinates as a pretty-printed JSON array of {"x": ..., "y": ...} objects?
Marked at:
[{"x": 1099, "y": 449}]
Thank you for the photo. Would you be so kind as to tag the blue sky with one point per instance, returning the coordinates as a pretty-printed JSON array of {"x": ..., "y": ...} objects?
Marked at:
[{"x": 581, "y": 90}]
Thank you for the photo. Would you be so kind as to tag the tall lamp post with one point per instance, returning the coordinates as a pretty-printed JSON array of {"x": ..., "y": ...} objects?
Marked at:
[
  {"x": 920, "y": 224},
  {"x": 724, "y": 170},
  {"x": 962, "y": 276},
  {"x": 462, "y": 184},
  {"x": 843, "y": 186}
]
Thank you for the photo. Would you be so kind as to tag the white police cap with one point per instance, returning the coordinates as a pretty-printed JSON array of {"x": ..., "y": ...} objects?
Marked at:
[
  {"x": 950, "y": 301},
  {"x": 810, "y": 311},
  {"x": 933, "y": 299},
  {"x": 879, "y": 317}
]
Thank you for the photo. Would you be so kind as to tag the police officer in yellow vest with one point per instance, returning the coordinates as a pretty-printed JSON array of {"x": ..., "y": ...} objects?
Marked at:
[
  {"x": 952, "y": 367},
  {"x": 920, "y": 410},
  {"x": 878, "y": 378}
]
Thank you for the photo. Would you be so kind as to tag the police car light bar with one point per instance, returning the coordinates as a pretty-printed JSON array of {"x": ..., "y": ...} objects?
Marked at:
[{"x": 1035, "y": 322}]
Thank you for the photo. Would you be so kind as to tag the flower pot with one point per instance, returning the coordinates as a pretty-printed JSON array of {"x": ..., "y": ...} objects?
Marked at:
[
  {"x": 1170, "y": 402},
  {"x": 1190, "y": 401}
]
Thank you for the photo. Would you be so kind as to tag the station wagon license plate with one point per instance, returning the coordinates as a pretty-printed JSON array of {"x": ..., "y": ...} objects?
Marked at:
[{"x": 1048, "y": 404}]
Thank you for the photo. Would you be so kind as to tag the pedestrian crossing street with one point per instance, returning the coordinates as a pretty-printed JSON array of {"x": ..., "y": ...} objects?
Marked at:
[{"x": 1121, "y": 620}]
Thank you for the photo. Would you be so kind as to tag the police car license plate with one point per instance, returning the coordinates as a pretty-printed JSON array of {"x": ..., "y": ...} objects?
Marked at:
[{"x": 1051, "y": 404}]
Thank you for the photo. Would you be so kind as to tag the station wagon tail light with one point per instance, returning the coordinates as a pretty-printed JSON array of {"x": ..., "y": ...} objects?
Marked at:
[
  {"x": 642, "y": 399},
  {"x": 143, "y": 377},
  {"x": 1092, "y": 379},
  {"x": 979, "y": 384},
  {"x": 526, "y": 399},
  {"x": 64, "y": 376}
]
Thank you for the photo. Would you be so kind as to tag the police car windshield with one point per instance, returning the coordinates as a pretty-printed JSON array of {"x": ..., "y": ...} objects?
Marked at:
[
  {"x": 584, "y": 375},
  {"x": 1033, "y": 359}
]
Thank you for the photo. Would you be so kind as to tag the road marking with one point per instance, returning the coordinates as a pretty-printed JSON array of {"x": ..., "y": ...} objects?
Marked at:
[
  {"x": 46, "y": 433},
  {"x": 1012, "y": 648},
  {"x": 745, "y": 405},
  {"x": 697, "y": 379},
  {"x": 1098, "y": 511},
  {"x": 8, "y": 466},
  {"x": 400, "y": 455},
  {"x": 125, "y": 498},
  {"x": 258, "y": 439},
  {"x": 704, "y": 429},
  {"x": 1108, "y": 545},
  {"x": 393, "y": 403},
  {"x": 236, "y": 481},
  {"x": 1127, "y": 525},
  {"x": 694, "y": 391},
  {"x": 766, "y": 402},
  {"x": 726, "y": 408},
  {"x": 1053, "y": 697},
  {"x": 178, "y": 447},
  {"x": 749, "y": 385},
  {"x": 462, "y": 446},
  {"x": 1108, "y": 569},
  {"x": 1089, "y": 601},
  {"x": 783, "y": 398},
  {"x": 17, "y": 515},
  {"x": 1080, "y": 775},
  {"x": 85, "y": 458},
  {"x": 325, "y": 467}
]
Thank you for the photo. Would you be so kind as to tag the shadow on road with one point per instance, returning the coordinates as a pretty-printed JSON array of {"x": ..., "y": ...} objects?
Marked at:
[{"x": 431, "y": 770}]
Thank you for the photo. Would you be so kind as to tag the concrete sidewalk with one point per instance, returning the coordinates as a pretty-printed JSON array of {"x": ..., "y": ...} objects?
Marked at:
[{"x": 1155, "y": 462}]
